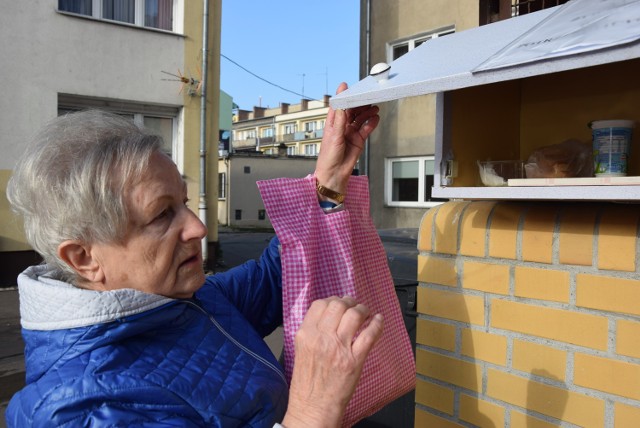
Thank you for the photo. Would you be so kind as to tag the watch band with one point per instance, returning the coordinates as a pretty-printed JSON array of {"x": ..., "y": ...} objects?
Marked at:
[{"x": 331, "y": 194}]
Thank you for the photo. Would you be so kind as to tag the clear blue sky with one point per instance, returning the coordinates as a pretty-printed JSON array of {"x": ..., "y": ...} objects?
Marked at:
[{"x": 280, "y": 40}]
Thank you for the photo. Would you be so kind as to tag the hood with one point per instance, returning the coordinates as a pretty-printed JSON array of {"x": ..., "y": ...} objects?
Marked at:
[{"x": 50, "y": 304}]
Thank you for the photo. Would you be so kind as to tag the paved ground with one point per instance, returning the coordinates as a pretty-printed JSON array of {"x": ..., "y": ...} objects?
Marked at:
[{"x": 237, "y": 247}]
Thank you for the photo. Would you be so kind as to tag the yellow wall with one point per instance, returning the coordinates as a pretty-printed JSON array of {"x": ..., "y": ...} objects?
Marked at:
[
  {"x": 11, "y": 231},
  {"x": 193, "y": 62},
  {"x": 529, "y": 315}
]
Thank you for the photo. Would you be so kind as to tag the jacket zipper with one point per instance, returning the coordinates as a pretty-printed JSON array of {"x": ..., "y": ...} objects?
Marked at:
[{"x": 238, "y": 344}]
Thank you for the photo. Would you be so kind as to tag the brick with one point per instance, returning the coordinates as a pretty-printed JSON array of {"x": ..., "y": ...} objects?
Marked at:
[
  {"x": 503, "y": 232},
  {"x": 484, "y": 346},
  {"x": 438, "y": 335},
  {"x": 543, "y": 284},
  {"x": 617, "y": 238},
  {"x": 576, "y": 239},
  {"x": 424, "y": 419},
  {"x": 435, "y": 396},
  {"x": 563, "y": 325},
  {"x": 437, "y": 270},
  {"x": 490, "y": 278},
  {"x": 481, "y": 413},
  {"x": 538, "y": 359},
  {"x": 537, "y": 234},
  {"x": 608, "y": 294},
  {"x": 607, "y": 375},
  {"x": 626, "y": 416},
  {"x": 628, "y": 338},
  {"x": 473, "y": 228},
  {"x": 449, "y": 369},
  {"x": 546, "y": 399},
  {"x": 447, "y": 222},
  {"x": 451, "y": 305},
  {"x": 520, "y": 420},
  {"x": 425, "y": 233}
]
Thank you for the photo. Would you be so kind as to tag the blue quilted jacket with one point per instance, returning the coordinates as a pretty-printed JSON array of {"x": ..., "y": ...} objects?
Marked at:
[{"x": 125, "y": 358}]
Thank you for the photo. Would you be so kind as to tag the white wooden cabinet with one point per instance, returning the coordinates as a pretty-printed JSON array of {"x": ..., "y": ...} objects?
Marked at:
[{"x": 507, "y": 113}]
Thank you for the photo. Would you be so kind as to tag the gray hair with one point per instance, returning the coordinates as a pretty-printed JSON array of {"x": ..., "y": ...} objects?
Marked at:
[{"x": 72, "y": 179}]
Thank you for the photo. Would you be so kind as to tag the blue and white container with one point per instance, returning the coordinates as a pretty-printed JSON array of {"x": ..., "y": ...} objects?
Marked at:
[{"x": 611, "y": 146}]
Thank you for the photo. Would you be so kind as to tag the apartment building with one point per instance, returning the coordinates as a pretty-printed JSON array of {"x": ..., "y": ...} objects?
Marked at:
[
  {"x": 140, "y": 58},
  {"x": 296, "y": 128}
]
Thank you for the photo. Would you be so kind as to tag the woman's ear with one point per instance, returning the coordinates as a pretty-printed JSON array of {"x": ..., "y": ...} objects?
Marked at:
[{"x": 79, "y": 257}]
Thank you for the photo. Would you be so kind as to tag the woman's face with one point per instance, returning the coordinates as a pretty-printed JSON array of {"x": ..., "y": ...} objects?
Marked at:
[{"x": 161, "y": 252}]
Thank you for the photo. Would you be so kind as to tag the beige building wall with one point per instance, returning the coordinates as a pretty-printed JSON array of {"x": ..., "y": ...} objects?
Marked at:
[
  {"x": 407, "y": 126},
  {"x": 242, "y": 173},
  {"x": 54, "y": 53}
]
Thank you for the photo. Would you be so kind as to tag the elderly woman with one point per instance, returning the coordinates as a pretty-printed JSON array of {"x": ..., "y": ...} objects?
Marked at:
[{"x": 121, "y": 326}]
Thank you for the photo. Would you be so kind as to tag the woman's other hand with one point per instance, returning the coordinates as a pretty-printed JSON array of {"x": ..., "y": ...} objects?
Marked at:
[
  {"x": 329, "y": 360},
  {"x": 345, "y": 133}
]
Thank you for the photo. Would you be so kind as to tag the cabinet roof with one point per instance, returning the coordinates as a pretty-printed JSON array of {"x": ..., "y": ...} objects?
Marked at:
[{"x": 452, "y": 62}]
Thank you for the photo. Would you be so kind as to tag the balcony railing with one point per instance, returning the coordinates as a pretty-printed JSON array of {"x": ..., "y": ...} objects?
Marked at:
[{"x": 300, "y": 136}]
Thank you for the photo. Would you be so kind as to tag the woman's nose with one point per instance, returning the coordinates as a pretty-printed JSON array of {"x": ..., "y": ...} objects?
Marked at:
[{"x": 193, "y": 227}]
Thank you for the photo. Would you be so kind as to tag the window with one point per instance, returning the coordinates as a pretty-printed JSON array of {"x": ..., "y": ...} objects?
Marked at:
[
  {"x": 292, "y": 150},
  {"x": 261, "y": 214},
  {"x": 158, "y": 120},
  {"x": 311, "y": 150},
  {"x": 408, "y": 182},
  {"x": 266, "y": 132},
  {"x": 222, "y": 185},
  {"x": 247, "y": 170},
  {"x": 161, "y": 126},
  {"x": 396, "y": 50},
  {"x": 147, "y": 13},
  {"x": 289, "y": 128},
  {"x": 309, "y": 126},
  {"x": 238, "y": 214}
]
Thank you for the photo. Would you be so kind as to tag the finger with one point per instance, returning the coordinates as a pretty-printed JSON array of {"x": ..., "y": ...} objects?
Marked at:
[
  {"x": 314, "y": 313},
  {"x": 365, "y": 114},
  {"x": 369, "y": 127},
  {"x": 368, "y": 338},
  {"x": 331, "y": 114},
  {"x": 351, "y": 322},
  {"x": 334, "y": 310}
]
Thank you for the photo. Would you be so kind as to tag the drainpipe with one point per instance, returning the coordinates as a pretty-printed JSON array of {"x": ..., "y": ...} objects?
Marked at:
[
  {"x": 366, "y": 72},
  {"x": 202, "y": 203}
]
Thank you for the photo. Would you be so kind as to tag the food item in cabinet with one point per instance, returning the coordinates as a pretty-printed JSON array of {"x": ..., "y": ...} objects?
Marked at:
[
  {"x": 571, "y": 158},
  {"x": 611, "y": 146},
  {"x": 496, "y": 173}
]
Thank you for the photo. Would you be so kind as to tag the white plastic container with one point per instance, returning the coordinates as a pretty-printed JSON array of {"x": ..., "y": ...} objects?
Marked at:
[{"x": 611, "y": 146}]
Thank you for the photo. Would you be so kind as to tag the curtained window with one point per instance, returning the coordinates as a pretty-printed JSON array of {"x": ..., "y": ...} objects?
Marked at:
[{"x": 148, "y": 13}]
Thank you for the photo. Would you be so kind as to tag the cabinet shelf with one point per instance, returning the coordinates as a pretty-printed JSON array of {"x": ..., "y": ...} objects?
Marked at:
[{"x": 565, "y": 193}]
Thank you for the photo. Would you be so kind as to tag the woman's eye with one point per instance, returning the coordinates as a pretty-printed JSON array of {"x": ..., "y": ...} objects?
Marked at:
[{"x": 164, "y": 214}]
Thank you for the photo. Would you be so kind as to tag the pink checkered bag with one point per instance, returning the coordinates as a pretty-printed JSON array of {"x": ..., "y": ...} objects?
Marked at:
[{"x": 338, "y": 254}]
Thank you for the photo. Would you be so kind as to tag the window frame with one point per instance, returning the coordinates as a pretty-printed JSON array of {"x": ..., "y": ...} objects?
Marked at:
[
  {"x": 138, "y": 111},
  {"x": 417, "y": 39},
  {"x": 313, "y": 148},
  {"x": 388, "y": 183},
  {"x": 222, "y": 186},
  {"x": 139, "y": 15},
  {"x": 289, "y": 128}
]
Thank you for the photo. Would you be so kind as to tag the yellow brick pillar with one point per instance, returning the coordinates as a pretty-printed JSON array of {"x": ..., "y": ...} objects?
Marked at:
[{"x": 529, "y": 315}]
